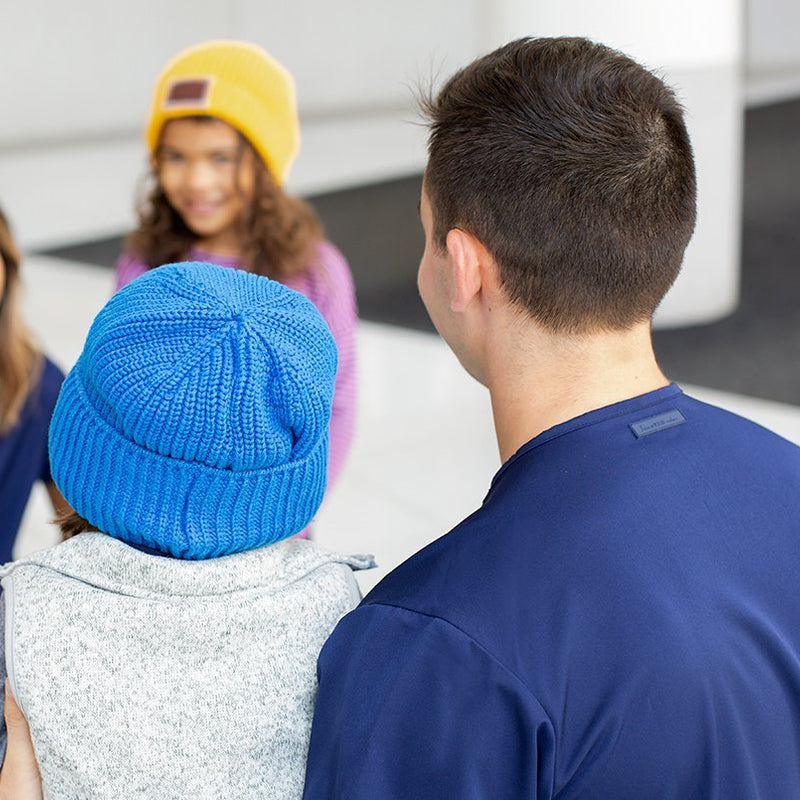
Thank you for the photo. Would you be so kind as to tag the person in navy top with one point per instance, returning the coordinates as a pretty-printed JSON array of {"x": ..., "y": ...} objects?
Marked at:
[
  {"x": 29, "y": 386},
  {"x": 621, "y": 616},
  {"x": 23, "y": 455}
]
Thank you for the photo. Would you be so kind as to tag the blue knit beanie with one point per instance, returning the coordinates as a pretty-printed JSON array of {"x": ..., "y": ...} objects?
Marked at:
[{"x": 196, "y": 419}]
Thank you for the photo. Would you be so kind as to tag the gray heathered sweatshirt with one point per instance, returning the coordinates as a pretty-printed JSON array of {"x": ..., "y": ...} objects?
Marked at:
[{"x": 150, "y": 677}]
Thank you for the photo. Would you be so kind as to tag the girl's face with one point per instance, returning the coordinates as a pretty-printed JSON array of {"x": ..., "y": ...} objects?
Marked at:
[{"x": 207, "y": 174}]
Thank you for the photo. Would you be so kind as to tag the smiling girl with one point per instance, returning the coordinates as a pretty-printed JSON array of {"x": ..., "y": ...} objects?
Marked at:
[{"x": 222, "y": 132}]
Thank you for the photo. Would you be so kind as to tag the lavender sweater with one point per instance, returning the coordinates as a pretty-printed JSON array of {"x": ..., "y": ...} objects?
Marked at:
[{"x": 328, "y": 284}]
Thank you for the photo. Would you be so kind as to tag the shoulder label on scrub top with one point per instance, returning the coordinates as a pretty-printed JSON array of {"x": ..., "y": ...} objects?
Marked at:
[{"x": 644, "y": 427}]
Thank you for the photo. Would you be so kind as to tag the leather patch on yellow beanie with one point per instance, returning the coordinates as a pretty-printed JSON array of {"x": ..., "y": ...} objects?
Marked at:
[{"x": 191, "y": 92}]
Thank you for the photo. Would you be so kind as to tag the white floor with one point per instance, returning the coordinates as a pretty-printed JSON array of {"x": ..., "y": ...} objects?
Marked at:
[{"x": 424, "y": 452}]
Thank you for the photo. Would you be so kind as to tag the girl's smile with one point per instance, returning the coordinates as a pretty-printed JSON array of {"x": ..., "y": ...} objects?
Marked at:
[{"x": 206, "y": 172}]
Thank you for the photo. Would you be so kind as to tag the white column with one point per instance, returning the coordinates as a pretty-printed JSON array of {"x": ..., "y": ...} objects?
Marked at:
[{"x": 697, "y": 48}]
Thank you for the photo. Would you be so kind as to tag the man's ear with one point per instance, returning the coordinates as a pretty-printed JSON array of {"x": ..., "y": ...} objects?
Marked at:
[{"x": 466, "y": 256}]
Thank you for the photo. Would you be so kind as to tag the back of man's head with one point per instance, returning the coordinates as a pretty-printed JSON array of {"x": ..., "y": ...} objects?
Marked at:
[{"x": 572, "y": 165}]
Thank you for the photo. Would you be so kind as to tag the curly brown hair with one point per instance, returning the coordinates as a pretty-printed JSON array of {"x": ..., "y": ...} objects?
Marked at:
[
  {"x": 20, "y": 359},
  {"x": 279, "y": 231}
]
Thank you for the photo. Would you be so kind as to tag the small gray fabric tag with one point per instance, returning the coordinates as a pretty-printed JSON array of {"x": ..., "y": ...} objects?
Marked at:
[{"x": 644, "y": 427}]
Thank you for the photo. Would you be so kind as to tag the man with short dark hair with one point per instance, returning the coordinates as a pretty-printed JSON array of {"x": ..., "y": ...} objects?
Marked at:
[{"x": 621, "y": 617}]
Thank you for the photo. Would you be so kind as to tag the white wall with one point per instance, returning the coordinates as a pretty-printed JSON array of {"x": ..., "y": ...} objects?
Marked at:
[
  {"x": 86, "y": 67},
  {"x": 773, "y": 54}
]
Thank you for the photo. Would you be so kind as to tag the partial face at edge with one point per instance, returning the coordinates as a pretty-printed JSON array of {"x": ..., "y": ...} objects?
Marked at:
[{"x": 207, "y": 175}]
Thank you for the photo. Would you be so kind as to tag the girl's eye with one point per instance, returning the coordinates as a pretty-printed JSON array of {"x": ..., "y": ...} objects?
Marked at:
[
  {"x": 171, "y": 157},
  {"x": 222, "y": 158}
]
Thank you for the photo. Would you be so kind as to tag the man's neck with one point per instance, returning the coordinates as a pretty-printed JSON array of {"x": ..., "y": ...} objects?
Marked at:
[{"x": 550, "y": 379}]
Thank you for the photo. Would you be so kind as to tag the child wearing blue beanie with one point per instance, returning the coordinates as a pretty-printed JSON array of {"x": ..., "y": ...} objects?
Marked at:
[{"x": 174, "y": 654}]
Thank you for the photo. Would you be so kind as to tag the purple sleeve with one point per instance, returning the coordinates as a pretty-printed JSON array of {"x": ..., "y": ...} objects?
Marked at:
[
  {"x": 335, "y": 297},
  {"x": 127, "y": 268}
]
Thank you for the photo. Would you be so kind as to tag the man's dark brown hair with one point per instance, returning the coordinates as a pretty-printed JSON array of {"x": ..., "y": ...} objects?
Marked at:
[{"x": 572, "y": 165}]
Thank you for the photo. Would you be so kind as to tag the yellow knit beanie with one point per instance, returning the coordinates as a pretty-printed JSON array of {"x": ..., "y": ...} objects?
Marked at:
[{"x": 238, "y": 83}]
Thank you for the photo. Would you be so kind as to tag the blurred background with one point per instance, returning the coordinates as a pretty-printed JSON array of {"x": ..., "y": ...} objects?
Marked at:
[{"x": 73, "y": 98}]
